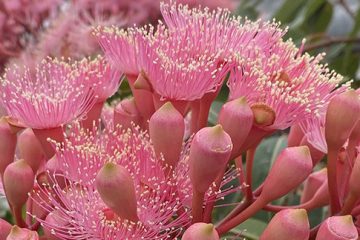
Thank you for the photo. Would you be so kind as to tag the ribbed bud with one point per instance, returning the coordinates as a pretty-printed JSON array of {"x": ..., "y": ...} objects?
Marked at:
[
  {"x": 337, "y": 228},
  {"x": 53, "y": 219},
  {"x": 236, "y": 117},
  {"x": 22, "y": 234},
  {"x": 5, "y": 228},
  {"x": 116, "y": 188},
  {"x": 209, "y": 152},
  {"x": 201, "y": 231},
  {"x": 295, "y": 136},
  {"x": 313, "y": 183},
  {"x": 44, "y": 135},
  {"x": 354, "y": 178},
  {"x": 167, "y": 128},
  {"x": 290, "y": 169},
  {"x": 342, "y": 114},
  {"x": 316, "y": 155},
  {"x": 288, "y": 224},
  {"x": 93, "y": 115},
  {"x": 126, "y": 113},
  {"x": 264, "y": 115},
  {"x": 18, "y": 182},
  {"x": 7, "y": 145},
  {"x": 30, "y": 149}
]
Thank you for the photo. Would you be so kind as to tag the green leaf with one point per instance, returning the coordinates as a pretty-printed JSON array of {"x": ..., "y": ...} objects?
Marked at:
[
  {"x": 289, "y": 10},
  {"x": 251, "y": 229},
  {"x": 265, "y": 155},
  {"x": 317, "y": 16},
  {"x": 214, "y": 112}
]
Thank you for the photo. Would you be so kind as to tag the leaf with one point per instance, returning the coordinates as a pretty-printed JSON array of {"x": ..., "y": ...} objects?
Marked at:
[
  {"x": 289, "y": 10},
  {"x": 265, "y": 155},
  {"x": 251, "y": 229},
  {"x": 317, "y": 16},
  {"x": 214, "y": 112}
]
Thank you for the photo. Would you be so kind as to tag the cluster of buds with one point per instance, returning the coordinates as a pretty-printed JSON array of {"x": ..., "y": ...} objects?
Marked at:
[{"x": 150, "y": 166}]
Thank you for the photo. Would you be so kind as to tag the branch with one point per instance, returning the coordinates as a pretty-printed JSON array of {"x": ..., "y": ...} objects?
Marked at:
[
  {"x": 331, "y": 41},
  {"x": 344, "y": 4}
]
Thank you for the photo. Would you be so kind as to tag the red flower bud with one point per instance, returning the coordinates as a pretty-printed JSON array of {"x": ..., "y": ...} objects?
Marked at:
[
  {"x": 288, "y": 224},
  {"x": 30, "y": 149},
  {"x": 209, "y": 153},
  {"x": 342, "y": 114},
  {"x": 313, "y": 183},
  {"x": 7, "y": 145},
  {"x": 200, "y": 231},
  {"x": 22, "y": 234},
  {"x": 167, "y": 128},
  {"x": 126, "y": 113},
  {"x": 337, "y": 228},
  {"x": 18, "y": 182},
  {"x": 116, "y": 188},
  {"x": 236, "y": 117},
  {"x": 290, "y": 169}
]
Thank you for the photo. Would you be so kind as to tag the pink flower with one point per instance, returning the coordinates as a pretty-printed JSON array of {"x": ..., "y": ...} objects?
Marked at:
[
  {"x": 291, "y": 86},
  {"x": 218, "y": 32},
  {"x": 99, "y": 75},
  {"x": 47, "y": 97},
  {"x": 81, "y": 213}
]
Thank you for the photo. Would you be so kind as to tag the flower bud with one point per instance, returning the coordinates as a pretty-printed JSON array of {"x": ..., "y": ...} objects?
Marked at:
[
  {"x": 203, "y": 231},
  {"x": 44, "y": 135},
  {"x": 30, "y": 149},
  {"x": 316, "y": 155},
  {"x": 7, "y": 145},
  {"x": 313, "y": 183},
  {"x": 321, "y": 197},
  {"x": 143, "y": 97},
  {"x": 53, "y": 219},
  {"x": 337, "y": 228},
  {"x": 288, "y": 224},
  {"x": 167, "y": 128},
  {"x": 209, "y": 153},
  {"x": 126, "y": 113},
  {"x": 342, "y": 114},
  {"x": 116, "y": 188},
  {"x": 290, "y": 169},
  {"x": 354, "y": 178},
  {"x": 296, "y": 134},
  {"x": 93, "y": 115},
  {"x": 18, "y": 182},
  {"x": 236, "y": 117},
  {"x": 17, "y": 233},
  {"x": 5, "y": 228}
]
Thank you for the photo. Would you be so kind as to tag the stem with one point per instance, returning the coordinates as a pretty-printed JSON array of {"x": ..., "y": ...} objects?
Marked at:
[
  {"x": 238, "y": 209},
  {"x": 349, "y": 204},
  {"x": 239, "y": 165},
  {"x": 195, "y": 109},
  {"x": 37, "y": 224},
  {"x": 17, "y": 213},
  {"x": 249, "y": 166},
  {"x": 210, "y": 205},
  {"x": 197, "y": 206},
  {"x": 313, "y": 232},
  {"x": 205, "y": 105},
  {"x": 250, "y": 211},
  {"x": 332, "y": 181},
  {"x": 29, "y": 207},
  {"x": 331, "y": 41}
]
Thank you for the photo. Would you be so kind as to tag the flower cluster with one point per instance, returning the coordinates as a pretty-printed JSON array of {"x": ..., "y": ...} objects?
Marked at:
[{"x": 149, "y": 166}]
